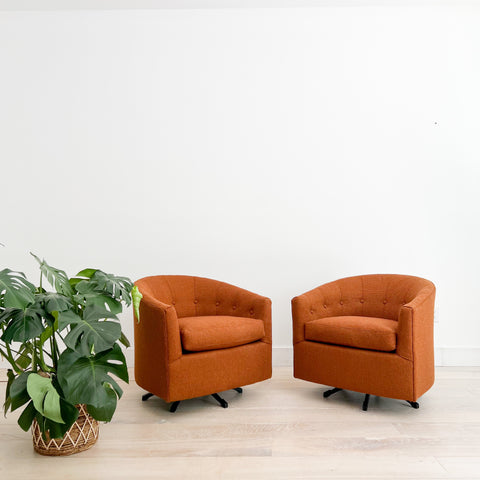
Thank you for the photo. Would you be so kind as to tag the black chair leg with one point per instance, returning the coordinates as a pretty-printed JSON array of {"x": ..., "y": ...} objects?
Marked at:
[
  {"x": 220, "y": 400},
  {"x": 146, "y": 396},
  {"x": 365, "y": 402},
  {"x": 174, "y": 406},
  {"x": 239, "y": 390},
  {"x": 331, "y": 392}
]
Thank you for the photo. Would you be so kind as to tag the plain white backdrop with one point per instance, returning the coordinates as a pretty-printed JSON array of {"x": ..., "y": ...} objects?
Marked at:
[{"x": 275, "y": 149}]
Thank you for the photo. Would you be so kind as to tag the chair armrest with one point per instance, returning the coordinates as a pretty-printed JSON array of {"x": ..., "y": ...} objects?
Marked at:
[
  {"x": 300, "y": 315},
  {"x": 415, "y": 326},
  {"x": 307, "y": 307},
  {"x": 157, "y": 333},
  {"x": 263, "y": 306}
]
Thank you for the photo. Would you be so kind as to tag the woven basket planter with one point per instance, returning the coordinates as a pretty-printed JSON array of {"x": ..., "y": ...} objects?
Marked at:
[{"x": 82, "y": 435}]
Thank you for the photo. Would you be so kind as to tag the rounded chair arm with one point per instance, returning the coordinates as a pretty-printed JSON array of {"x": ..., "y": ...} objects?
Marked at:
[
  {"x": 157, "y": 331},
  {"x": 415, "y": 324},
  {"x": 306, "y": 307}
]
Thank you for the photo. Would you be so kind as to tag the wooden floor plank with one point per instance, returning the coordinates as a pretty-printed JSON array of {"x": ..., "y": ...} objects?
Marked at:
[{"x": 281, "y": 428}]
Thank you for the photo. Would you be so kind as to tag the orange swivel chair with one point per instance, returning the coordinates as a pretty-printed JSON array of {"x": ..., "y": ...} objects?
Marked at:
[
  {"x": 371, "y": 334},
  {"x": 197, "y": 336}
]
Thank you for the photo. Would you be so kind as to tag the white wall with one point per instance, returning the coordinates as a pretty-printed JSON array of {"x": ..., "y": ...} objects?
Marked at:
[{"x": 275, "y": 149}]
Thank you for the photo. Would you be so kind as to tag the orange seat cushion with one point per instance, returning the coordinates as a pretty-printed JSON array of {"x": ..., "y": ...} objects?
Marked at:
[
  {"x": 369, "y": 333},
  {"x": 220, "y": 331}
]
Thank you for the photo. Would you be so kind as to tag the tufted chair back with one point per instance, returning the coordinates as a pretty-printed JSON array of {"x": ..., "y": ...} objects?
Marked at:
[
  {"x": 197, "y": 296},
  {"x": 366, "y": 295}
]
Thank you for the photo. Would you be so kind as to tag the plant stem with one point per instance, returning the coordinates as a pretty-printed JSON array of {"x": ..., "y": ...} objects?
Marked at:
[
  {"x": 15, "y": 351},
  {"x": 34, "y": 356},
  {"x": 8, "y": 355},
  {"x": 53, "y": 352},
  {"x": 41, "y": 360}
]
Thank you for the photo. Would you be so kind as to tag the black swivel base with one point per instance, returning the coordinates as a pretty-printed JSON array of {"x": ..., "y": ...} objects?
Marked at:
[
  {"x": 223, "y": 403},
  {"x": 327, "y": 393},
  {"x": 331, "y": 392},
  {"x": 365, "y": 402},
  {"x": 173, "y": 407}
]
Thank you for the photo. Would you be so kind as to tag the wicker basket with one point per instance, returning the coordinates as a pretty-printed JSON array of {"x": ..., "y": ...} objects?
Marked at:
[{"x": 81, "y": 436}]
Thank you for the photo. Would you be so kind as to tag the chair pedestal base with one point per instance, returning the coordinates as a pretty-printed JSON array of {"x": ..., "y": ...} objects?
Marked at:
[
  {"x": 327, "y": 393},
  {"x": 223, "y": 403},
  {"x": 331, "y": 392},
  {"x": 365, "y": 402},
  {"x": 173, "y": 407}
]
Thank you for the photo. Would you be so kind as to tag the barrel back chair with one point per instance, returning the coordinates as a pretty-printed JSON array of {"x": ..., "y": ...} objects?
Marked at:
[
  {"x": 197, "y": 336},
  {"x": 371, "y": 334}
]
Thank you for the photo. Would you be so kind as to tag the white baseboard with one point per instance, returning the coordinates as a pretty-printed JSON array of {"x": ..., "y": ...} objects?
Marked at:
[
  {"x": 457, "y": 357},
  {"x": 283, "y": 357}
]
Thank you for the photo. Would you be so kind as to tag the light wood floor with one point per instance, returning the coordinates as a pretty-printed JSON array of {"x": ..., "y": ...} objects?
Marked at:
[{"x": 282, "y": 428}]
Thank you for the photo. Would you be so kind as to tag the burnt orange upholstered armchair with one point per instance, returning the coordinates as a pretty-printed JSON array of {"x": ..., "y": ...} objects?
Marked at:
[
  {"x": 371, "y": 334},
  {"x": 197, "y": 336}
]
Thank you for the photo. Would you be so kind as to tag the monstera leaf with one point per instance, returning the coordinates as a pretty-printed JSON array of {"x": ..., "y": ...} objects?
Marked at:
[
  {"x": 26, "y": 418},
  {"x": 45, "y": 397},
  {"x": 88, "y": 380},
  {"x": 41, "y": 394},
  {"x": 100, "y": 282},
  {"x": 22, "y": 324},
  {"x": 57, "y": 278},
  {"x": 106, "y": 411},
  {"x": 54, "y": 302},
  {"x": 18, "y": 390},
  {"x": 15, "y": 290},
  {"x": 91, "y": 293},
  {"x": 100, "y": 300},
  {"x": 90, "y": 333}
]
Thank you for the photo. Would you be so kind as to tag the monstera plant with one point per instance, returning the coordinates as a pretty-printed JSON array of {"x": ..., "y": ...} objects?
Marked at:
[{"x": 63, "y": 346}]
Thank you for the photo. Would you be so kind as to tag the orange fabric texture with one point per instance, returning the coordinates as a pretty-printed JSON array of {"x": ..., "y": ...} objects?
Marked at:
[
  {"x": 222, "y": 331},
  {"x": 365, "y": 371},
  {"x": 171, "y": 372},
  {"x": 405, "y": 373},
  {"x": 360, "y": 332}
]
